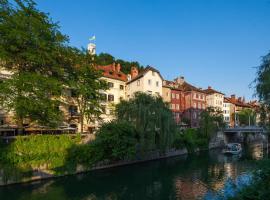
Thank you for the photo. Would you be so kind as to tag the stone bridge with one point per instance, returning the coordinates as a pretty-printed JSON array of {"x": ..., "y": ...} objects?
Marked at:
[{"x": 244, "y": 134}]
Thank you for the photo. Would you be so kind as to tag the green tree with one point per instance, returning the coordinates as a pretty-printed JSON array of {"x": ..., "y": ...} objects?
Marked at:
[
  {"x": 31, "y": 96},
  {"x": 116, "y": 141},
  {"x": 246, "y": 117},
  {"x": 152, "y": 119},
  {"x": 85, "y": 82},
  {"x": 211, "y": 120},
  {"x": 36, "y": 52},
  {"x": 107, "y": 59},
  {"x": 262, "y": 80}
]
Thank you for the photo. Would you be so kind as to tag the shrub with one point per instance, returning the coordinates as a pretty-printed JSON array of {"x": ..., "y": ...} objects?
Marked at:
[{"x": 35, "y": 151}]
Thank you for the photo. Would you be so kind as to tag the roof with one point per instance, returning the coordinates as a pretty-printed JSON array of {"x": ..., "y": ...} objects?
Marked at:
[
  {"x": 188, "y": 87},
  {"x": 143, "y": 72},
  {"x": 210, "y": 90},
  {"x": 237, "y": 102},
  {"x": 110, "y": 71},
  {"x": 183, "y": 87}
]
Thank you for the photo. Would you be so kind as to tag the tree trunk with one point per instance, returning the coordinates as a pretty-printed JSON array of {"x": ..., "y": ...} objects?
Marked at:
[
  {"x": 20, "y": 125},
  {"x": 81, "y": 121}
]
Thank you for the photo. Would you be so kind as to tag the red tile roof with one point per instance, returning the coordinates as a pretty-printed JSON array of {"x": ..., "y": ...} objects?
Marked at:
[
  {"x": 237, "y": 102},
  {"x": 113, "y": 71}
]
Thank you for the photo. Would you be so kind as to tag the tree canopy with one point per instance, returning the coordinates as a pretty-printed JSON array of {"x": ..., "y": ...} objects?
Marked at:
[
  {"x": 211, "y": 120},
  {"x": 152, "y": 118},
  {"x": 263, "y": 80},
  {"x": 106, "y": 59}
]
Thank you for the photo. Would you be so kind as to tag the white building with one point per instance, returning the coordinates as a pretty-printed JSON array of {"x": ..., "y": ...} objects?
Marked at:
[
  {"x": 227, "y": 111},
  {"x": 148, "y": 81},
  {"x": 214, "y": 98},
  {"x": 116, "y": 80}
]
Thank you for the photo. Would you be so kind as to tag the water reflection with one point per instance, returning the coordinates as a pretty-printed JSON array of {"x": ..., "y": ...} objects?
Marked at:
[{"x": 208, "y": 175}]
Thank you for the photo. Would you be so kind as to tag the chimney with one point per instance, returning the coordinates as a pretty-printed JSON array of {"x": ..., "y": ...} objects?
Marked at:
[
  {"x": 134, "y": 72},
  {"x": 113, "y": 66},
  {"x": 128, "y": 77},
  {"x": 240, "y": 99},
  {"x": 118, "y": 67},
  {"x": 180, "y": 80},
  {"x": 209, "y": 87},
  {"x": 233, "y": 96}
]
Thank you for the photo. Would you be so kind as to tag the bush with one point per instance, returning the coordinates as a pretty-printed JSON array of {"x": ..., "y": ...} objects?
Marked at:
[
  {"x": 191, "y": 139},
  {"x": 36, "y": 151},
  {"x": 115, "y": 141}
]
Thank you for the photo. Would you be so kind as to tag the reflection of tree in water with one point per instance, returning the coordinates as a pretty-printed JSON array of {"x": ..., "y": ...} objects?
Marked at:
[{"x": 180, "y": 177}]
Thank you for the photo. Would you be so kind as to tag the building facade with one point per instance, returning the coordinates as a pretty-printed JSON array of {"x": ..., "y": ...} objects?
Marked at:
[
  {"x": 227, "y": 106},
  {"x": 187, "y": 101},
  {"x": 214, "y": 98},
  {"x": 148, "y": 81}
]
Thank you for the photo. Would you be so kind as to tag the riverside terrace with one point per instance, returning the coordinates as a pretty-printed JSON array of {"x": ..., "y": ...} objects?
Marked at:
[{"x": 13, "y": 131}]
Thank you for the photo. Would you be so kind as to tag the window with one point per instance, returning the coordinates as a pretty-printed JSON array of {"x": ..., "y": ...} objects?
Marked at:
[
  {"x": 194, "y": 115},
  {"x": 73, "y": 93},
  {"x": 197, "y": 96},
  {"x": 203, "y": 106},
  {"x": 103, "y": 96},
  {"x": 199, "y": 105},
  {"x": 177, "y": 106},
  {"x": 167, "y": 94},
  {"x": 111, "y": 111},
  {"x": 121, "y": 98},
  {"x": 173, "y": 106},
  {"x": 153, "y": 73},
  {"x": 138, "y": 82},
  {"x": 103, "y": 109},
  {"x": 157, "y": 83},
  {"x": 110, "y": 97},
  {"x": 73, "y": 110},
  {"x": 121, "y": 87},
  {"x": 177, "y": 96},
  {"x": 149, "y": 81},
  {"x": 110, "y": 84},
  {"x": 173, "y": 95},
  {"x": 194, "y": 96},
  {"x": 194, "y": 105}
]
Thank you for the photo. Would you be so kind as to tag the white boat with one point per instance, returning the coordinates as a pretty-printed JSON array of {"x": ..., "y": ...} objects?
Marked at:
[{"x": 232, "y": 148}]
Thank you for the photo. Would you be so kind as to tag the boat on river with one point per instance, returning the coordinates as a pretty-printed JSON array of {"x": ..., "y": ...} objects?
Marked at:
[{"x": 232, "y": 149}]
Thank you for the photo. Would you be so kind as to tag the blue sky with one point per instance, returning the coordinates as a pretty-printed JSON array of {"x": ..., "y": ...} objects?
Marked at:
[{"x": 209, "y": 42}]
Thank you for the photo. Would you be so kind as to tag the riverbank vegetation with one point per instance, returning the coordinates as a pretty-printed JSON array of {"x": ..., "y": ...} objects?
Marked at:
[
  {"x": 258, "y": 189},
  {"x": 143, "y": 124},
  {"x": 260, "y": 185}
]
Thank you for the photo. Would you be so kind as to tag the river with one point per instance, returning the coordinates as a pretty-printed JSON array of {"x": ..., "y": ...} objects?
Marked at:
[{"x": 206, "y": 175}]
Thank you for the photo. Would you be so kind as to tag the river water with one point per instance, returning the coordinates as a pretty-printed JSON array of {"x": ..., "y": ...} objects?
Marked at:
[{"x": 207, "y": 175}]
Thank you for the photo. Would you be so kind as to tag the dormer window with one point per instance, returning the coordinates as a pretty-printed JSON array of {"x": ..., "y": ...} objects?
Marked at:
[{"x": 153, "y": 73}]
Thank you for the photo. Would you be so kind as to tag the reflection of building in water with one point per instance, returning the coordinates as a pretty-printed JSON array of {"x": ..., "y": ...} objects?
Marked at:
[
  {"x": 216, "y": 174},
  {"x": 189, "y": 189},
  {"x": 257, "y": 151}
]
